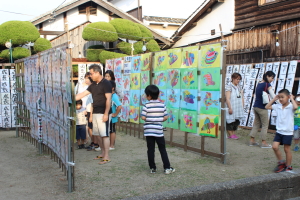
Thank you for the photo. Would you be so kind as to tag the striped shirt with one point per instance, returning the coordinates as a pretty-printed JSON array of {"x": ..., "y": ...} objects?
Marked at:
[{"x": 154, "y": 111}]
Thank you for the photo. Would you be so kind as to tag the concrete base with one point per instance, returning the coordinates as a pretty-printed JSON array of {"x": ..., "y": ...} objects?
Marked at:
[{"x": 275, "y": 186}]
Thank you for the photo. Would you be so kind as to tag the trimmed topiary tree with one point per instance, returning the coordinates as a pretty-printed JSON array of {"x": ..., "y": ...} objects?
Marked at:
[
  {"x": 93, "y": 32},
  {"x": 93, "y": 52},
  {"x": 20, "y": 32},
  {"x": 109, "y": 55},
  {"x": 127, "y": 29},
  {"x": 17, "y": 53},
  {"x": 125, "y": 47},
  {"x": 152, "y": 46},
  {"x": 146, "y": 33},
  {"x": 41, "y": 44}
]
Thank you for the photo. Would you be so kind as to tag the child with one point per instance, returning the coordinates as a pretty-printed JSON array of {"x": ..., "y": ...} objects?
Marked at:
[
  {"x": 154, "y": 113},
  {"x": 297, "y": 124},
  {"x": 80, "y": 124},
  {"x": 116, "y": 108},
  {"x": 284, "y": 126}
]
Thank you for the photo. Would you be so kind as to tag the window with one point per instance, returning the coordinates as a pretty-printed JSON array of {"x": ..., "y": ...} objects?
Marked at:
[
  {"x": 88, "y": 8},
  {"x": 213, "y": 32},
  {"x": 262, "y": 2}
]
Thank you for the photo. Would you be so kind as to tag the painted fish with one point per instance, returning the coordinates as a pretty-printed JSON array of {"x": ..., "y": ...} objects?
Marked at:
[
  {"x": 174, "y": 77},
  {"x": 173, "y": 58},
  {"x": 188, "y": 121},
  {"x": 188, "y": 97},
  {"x": 189, "y": 78},
  {"x": 208, "y": 101},
  {"x": 208, "y": 79},
  {"x": 207, "y": 125}
]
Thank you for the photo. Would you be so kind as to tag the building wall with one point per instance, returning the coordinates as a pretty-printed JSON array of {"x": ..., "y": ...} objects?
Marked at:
[
  {"x": 168, "y": 32},
  {"x": 57, "y": 25},
  {"x": 221, "y": 13}
]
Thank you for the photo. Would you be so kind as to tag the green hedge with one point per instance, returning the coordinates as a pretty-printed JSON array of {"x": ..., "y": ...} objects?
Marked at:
[
  {"x": 127, "y": 29},
  {"x": 152, "y": 46},
  {"x": 93, "y": 52},
  {"x": 20, "y": 32},
  {"x": 146, "y": 33},
  {"x": 17, "y": 53},
  {"x": 92, "y": 33},
  {"x": 125, "y": 47},
  {"x": 109, "y": 55},
  {"x": 41, "y": 44}
]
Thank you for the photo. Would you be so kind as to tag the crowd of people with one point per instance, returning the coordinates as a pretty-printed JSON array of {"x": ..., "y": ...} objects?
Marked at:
[{"x": 286, "y": 106}]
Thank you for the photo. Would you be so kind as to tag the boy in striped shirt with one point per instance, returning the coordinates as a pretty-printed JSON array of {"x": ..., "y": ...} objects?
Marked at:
[{"x": 154, "y": 113}]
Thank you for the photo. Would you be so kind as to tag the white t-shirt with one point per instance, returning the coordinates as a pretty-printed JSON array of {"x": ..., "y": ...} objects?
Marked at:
[
  {"x": 81, "y": 88},
  {"x": 80, "y": 116},
  {"x": 285, "y": 119}
]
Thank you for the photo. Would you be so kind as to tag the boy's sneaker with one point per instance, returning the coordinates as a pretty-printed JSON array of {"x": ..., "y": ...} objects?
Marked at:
[
  {"x": 90, "y": 148},
  {"x": 97, "y": 149},
  {"x": 280, "y": 167},
  {"x": 169, "y": 171},
  {"x": 82, "y": 146},
  {"x": 296, "y": 148},
  {"x": 290, "y": 168},
  {"x": 152, "y": 171}
]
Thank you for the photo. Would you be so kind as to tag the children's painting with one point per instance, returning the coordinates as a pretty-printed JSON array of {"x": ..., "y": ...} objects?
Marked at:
[
  {"x": 160, "y": 79},
  {"x": 172, "y": 121},
  {"x": 189, "y": 57},
  {"x": 135, "y": 83},
  {"x": 188, "y": 121},
  {"x": 136, "y": 64},
  {"x": 118, "y": 63},
  {"x": 134, "y": 114},
  {"x": 126, "y": 98},
  {"x": 144, "y": 99},
  {"x": 210, "y": 79},
  {"x": 145, "y": 62},
  {"x": 126, "y": 82},
  {"x": 109, "y": 65},
  {"x": 162, "y": 97},
  {"x": 211, "y": 55},
  {"x": 189, "y": 100},
  {"x": 173, "y": 79},
  {"x": 173, "y": 98},
  {"x": 160, "y": 61},
  {"x": 135, "y": 97},
  {"x": 141, "y": 121},
  {"x": 208, "y": 125},
  {"x": 189, "y": 79},
  {"x": 210, "y": 102},
  {"x": 124, "y": 113},
  {"x": 174, "y": 58},
  {"x": 145, "y": 79}
]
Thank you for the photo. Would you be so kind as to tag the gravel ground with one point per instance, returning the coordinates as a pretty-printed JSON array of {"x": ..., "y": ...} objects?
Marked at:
[{"x": 27, "y": 175}]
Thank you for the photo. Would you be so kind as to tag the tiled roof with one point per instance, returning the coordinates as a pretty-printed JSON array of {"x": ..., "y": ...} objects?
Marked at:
[{"x": 164, "y": 19}]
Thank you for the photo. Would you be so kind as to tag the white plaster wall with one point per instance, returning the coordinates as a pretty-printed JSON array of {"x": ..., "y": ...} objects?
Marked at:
[
  {"x": 168, "y": 32},
  {"x": 126, "y": 5},
  {"x": 102, "y": 15},
  {"x": 57, "y": 25},
  {"x": 74, "y": 19},
  {"x": 222, "y": 13}
]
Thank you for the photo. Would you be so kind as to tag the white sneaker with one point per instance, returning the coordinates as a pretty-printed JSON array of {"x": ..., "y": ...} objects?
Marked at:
[
  {"x": 98, "y": 149},
  {"x": 169, "y": 171},
  {"x": 110, "y": 148}
]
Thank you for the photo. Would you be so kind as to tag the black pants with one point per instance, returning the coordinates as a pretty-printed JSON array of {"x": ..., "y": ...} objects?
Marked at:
[{"x": 162, "y": 149}]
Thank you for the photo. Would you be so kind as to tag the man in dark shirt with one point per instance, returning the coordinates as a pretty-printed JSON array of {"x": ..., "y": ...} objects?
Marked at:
[{"x": 101, "y": 91}]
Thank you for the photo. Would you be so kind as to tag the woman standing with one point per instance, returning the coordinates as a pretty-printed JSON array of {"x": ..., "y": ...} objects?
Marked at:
[
  {"x": 235, "y": 103},
  {"x": 110, "y": 76},
  {"x": 260, "y": 112}
]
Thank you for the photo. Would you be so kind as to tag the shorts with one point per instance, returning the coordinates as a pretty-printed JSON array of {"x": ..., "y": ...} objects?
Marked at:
[
  {"x": 283, "y": 139},
  {"x": 80, "y": 132},
  {"x": 233, "y": 126},
  {"x": 112, "y": 127},
  {"x": 296, "y": 134},
  {"x": 90, "y": 124},
  {"x": 100, "y": 128}
]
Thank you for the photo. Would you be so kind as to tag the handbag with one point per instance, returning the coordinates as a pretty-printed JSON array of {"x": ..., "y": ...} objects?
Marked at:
[{"x": 265, "y": 95}]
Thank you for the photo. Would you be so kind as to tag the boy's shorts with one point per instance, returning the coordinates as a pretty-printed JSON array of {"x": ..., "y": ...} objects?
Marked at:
[
  {"x": 80, "y": 132},
  {"x": 296, "y": 134},
  {"x": 100, "y": 128},
  {"x": 283, "y": 139},
  {"x": 90, "y": 124},
  {"x": 112, "y": 127}
]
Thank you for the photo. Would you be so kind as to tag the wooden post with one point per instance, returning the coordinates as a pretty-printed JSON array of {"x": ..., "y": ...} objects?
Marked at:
[
  {"x": 185, "y": 140},
  {"x": 134, "y": 129},
  {"x": 202, "y": 145},
  {"x": 171, "y": 137}
]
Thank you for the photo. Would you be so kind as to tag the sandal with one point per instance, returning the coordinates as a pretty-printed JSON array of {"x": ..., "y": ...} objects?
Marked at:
[
  {"x": 253, "y": 144},
  {"x": 98, "y": 158},
  {"x": 266, "y": 146},
  {"x": 104, "y": 162}
]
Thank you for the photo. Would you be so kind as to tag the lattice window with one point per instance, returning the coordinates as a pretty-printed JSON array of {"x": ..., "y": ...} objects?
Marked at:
[{"x": 88, "y": 8}]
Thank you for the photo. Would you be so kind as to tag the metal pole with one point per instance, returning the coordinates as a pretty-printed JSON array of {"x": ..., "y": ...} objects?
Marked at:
[
  {"x": 69, "y": 153},
  {"x": 10, "y": 52}
]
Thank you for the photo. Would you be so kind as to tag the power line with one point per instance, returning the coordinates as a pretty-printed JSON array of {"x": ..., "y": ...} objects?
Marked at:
[{"x": 16, "y": 13}]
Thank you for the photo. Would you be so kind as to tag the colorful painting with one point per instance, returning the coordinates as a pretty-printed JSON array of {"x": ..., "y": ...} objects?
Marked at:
[
  {"x": 173, "y": 98},
  {"x": 210, "y": 102},
  {"x": 124, "y": 113},
  {"x": 189, "y": 57},
  {"x": 136, "y": 64},
  {"x": 189, "y": 100},
  {"x": 160, "y": 61},
  {"x": 109, "y": 65},
  {"x": 135, "y": 83},
  {"x": 208, "y": 125},
  {"x": 118, "y": 63},
  {"x": 211, "y": 56},
  {"x": 162, "y": 97},
  {"x": 174, "y": 58},
  {"x": 173, "y": 116},
  {"x": 145, "y": 61},
  {"x": 173, "y": 80},
  {"x": 189, "y": 79},
  {"x": 145, "y": 79},
  {"x": 210, "y": 79},
  {"x": 141, "y": 121},
  {"x": 188, "y": 121},
  {"x": 126, "y": 98},
  {"x": 144, "y": 99},
  {"x": 135, "y": 97},
  {"x": 126, "y": 82},
  {"x": 160, "y": 79},
  {"x": 134, "y": 114}
]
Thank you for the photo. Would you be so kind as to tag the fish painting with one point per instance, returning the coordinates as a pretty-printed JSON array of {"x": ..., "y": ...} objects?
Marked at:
[
  {"x": 133, "y": 114},
  {"x": 136, "y": 64},
  {"x": 208, "y": 79},
  {"x": 160, "y": 60},
  {"x": 188, "y": 58},
  {"x": 161, "y": 97},
  {"x": 188, "y": 79},
  {"x": 126, "y": 83},
  {"x": 172, "y": 97},
  {"x": 188, "y": 121},
  {"x": 135, "y": 80},
  {"x": 208, "y": 101},
  {"x": 160, "y": 80},
  {"x": 172, "y": 117},
  {"x": 145, "y": 79},
  {"x": 173, "y": 58},
  {"x": 188, "y": 97},
  {"x": 174, "y": 76},
  {"x": 207, "y": 125}
]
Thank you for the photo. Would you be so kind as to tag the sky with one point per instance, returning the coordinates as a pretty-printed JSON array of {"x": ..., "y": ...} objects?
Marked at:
[{"x": 31, "y": 8}]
